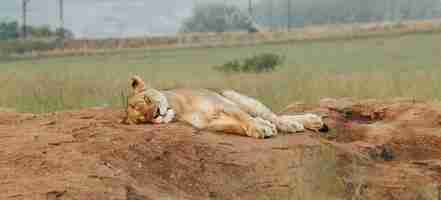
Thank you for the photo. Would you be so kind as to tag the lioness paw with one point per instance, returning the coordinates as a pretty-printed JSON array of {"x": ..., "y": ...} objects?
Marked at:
[
  {"x": 298, "y": 123},
  {"x": 169, "y": 117},
  {"x": 263, "y": 128},
  {"x": 288, "y": 124}
]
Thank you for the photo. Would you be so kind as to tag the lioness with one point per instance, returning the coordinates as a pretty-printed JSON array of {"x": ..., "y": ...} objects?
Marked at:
[{"x": 224, "y": 110}]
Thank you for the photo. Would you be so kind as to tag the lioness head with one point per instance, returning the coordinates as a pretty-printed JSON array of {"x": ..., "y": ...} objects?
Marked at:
[{"x": 141, "y": 108}]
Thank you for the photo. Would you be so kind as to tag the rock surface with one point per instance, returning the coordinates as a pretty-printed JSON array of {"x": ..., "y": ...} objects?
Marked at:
[
  {"x": 384, "y": 150},
  {"x": 400, "y": 141}
]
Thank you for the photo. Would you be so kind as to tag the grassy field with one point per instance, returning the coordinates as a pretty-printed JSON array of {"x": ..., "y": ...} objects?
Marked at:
[{"x": 389, "y": 67}]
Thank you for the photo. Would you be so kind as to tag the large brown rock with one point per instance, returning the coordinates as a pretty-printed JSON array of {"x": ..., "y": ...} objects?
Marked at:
[
  {"x": 375, "y": 150},
  {"x": 89, "y": 155}
]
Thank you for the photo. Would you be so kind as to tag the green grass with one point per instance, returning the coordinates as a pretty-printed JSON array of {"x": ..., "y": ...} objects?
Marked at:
[{"x": 388, "y": 67}]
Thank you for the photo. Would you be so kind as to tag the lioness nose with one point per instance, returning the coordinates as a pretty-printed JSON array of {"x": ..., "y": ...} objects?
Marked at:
[{"x": 324, "y": 129}]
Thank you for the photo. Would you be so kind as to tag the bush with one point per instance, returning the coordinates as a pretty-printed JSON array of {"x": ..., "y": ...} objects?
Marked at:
[{"x": 265, "y": 62}]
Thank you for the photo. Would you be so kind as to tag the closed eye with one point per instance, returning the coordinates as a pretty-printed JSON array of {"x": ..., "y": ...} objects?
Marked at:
[
  {"x": 147, "y": 100},
  {"x": 132, "y": 106}
]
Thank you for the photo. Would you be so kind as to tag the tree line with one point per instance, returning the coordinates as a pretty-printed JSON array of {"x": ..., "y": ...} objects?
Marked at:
[
  {"x": 10, "y": 30},
  {"x": 307, "y": 12},
  {"x": 220, "y": 17}
]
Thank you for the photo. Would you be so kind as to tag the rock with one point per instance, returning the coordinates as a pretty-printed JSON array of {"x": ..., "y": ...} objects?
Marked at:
[
  {"x": 80, "y": 157},
  {"x": 385, "y": 150}
]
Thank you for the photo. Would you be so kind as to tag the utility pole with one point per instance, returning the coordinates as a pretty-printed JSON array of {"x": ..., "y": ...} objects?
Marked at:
[
  {"x": 289, "y": 15},
  {"x": 61, "y": 9},
  {"x": 226, "y": 17},
  {"x": 24, "y": 13},
  {"x": 271, "y": 9},
  {"x": 250, "y": 8}
]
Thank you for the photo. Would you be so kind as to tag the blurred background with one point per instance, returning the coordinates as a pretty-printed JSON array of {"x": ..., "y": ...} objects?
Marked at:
[
  {"x": 119, "y": 18},
  {"x": 71, "y": 54}
]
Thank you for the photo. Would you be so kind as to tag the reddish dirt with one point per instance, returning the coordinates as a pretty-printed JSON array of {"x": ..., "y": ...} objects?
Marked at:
[
  {"x": 88, "y": 154},
  {"x": 399, "y": 141}
]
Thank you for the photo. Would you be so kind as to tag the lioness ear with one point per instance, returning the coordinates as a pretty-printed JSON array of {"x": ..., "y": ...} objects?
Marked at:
[{"x": 137, "y": 84}]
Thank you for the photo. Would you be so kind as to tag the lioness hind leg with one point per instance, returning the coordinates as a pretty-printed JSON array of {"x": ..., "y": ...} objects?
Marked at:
[
  {"x": 286, "y": 123},
  {"x": 250, "y": 105},
  {"x": 238, "y": 122}
]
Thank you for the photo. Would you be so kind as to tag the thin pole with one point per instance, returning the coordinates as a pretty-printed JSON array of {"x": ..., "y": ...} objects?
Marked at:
[
  {"x": 289, "y": 15},
  {"x": 250, "y": 8},
  {"x": 24, "y": 12},
  {"x": 61, "y": 4},
  {"x": 271, "y": 7},
  {"x": 226, "y": 17}
]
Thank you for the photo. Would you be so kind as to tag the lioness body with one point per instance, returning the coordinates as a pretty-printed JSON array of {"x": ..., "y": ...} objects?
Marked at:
[
  {"x": 226, "y": 111},
  {"x": 197, "y": 107}
]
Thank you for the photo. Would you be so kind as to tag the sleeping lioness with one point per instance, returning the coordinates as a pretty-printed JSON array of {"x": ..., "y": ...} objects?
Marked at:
[{"x": 225, "y": 110}]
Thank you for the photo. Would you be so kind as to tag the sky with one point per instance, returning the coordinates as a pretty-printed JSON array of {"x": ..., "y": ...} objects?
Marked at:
[{"x": 107, "y": 18}]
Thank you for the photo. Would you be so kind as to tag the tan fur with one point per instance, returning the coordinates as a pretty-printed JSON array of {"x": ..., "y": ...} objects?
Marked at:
[{"x": 225, "y": 111}]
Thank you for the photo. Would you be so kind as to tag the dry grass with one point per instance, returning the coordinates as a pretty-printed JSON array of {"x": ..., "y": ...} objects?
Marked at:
[
  {"x": 186, "y": 40},
  {"x": 46, "y": 92},
  {"x": 406, "y": 66},
  {"x": 426, "y": 192},
  {"x": 317, "y": 176},
  {"x": 312, "y": 174}
]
